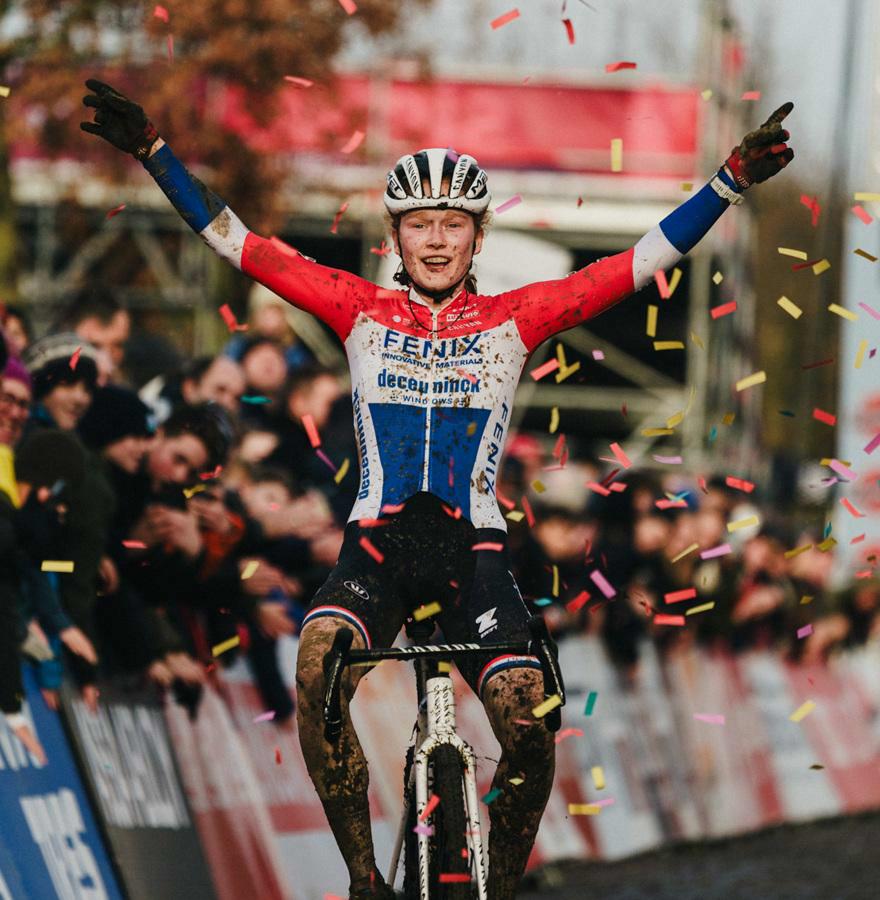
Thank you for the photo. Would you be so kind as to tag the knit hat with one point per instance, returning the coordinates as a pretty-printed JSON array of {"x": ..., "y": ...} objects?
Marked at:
[
  {"x": 115, "y": 413},
  {"x": 15, "y": 370},
  {"x": 49, "y": 362}
]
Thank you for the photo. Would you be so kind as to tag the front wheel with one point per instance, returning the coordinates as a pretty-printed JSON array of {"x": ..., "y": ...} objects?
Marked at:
[{"x": 450, "y": 862}]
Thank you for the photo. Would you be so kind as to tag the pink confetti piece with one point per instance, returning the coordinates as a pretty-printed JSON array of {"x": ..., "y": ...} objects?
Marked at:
[
  {"x": 74, "y": 358},
  {"x": 671, "y": 504},
  {"x": 161, "y": 13},
  {"x": 299, "y": 82},
  {"x": 858, "y": 539},
  {"x": 228, "y": 317},
  {"x": 826, "y": 417},
  {"x": 711, "y": 718},
  {"x": 264, "y": 717},
  {"x": 550, "y": 366},
  {"x": 569, "y": 30},
  {"x": 598, "y": 354},
  {"x": 423, "y": 829},
  {"x": 504, "y": 19},
  {"x": 311, "y": 430},
  {"x": 603, "y": 584},
  {"x": 812, "y": 204},
  {"x": 567, "y": 733},
  {"x": 336, "y": 219},
  {"x": 805, "y": 631},
  {"x": 515, "y": 200},
  {"x": 527, "y": 509},
  {"x": 598, "y": 489},
  {"x": 620, "y": 456},
  {"x": 134, "y": 545},
  {"x": 617, "y": 66},
  {"x": 488, "y": 545},
  {"x": 576, "y": 603},
  {"x": 372, "y": 549},
  {"x": 353, "y": 142},
  {"x": 843, "y": 470},
  {"x": 349, "y": 6},
  {"x": 661, "y": 619},
  {"x": 851, "y": 508},
  {"x": 381, "y": 250},
  {"x": 326, "y": 460},
  {"x": 739, "y": 484},
  {"x": 751, "y": 95},
  {"x": 605, "y": 801},
  {"x": 430, "y": 806},
  {"x": 862, "y": 213},
  {"x": 617, "y": 487},
  {"x": 115, "y": 211},
  {"x": 871, "y": 312},
  {"x": 662, "y": 284},
  {"x": 712, "y": 553},
  {"x": 871, "y": 446},
  {"x": 724, "y": 310},
  {"x": 667, "y": 460},
  {"x": 389, "y": 509},
  {"x": 678, "y": 596}
]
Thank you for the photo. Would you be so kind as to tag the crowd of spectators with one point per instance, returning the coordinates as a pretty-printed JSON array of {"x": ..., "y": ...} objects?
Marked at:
[{"x": 142, "y": 525}]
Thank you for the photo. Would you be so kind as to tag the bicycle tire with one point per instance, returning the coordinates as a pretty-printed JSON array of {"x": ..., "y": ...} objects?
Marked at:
[
  {"x": 450, "y": 827},
  {"x": 410, "y": 839}
]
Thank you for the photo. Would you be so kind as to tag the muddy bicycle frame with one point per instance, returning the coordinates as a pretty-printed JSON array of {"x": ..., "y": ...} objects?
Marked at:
[{"x": 435, "y": 725}]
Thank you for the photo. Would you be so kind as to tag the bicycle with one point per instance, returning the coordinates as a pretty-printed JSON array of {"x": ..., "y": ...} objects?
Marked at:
[{"x": 441, "y": 840}]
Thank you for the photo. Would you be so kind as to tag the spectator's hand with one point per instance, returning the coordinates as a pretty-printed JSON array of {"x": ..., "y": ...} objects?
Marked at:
[
  {"x": 184, "y": 667},
  {"x": 31, "y": 742},
  {"x": 159, "y": 673},
  {"x": 310, "y": 515},
  {"x": 264, "y": 579},
  {"x": 89, "y": 694},
  {"x": 77, "y": 642},
  {"x": 109, "y": 575},
  {"x": 177, "y": 528},
  {"x": 118, "y": 120},
  {"x": 827, "y": 633},
  {"x": 273, "y": 620},
  {"x": 326, "y": 546},
  {"x": 759, "y": 601},
  {"x": 210, "y": 512}
]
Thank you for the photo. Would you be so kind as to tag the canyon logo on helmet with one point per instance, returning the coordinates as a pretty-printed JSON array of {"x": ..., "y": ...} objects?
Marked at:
[{"x": 437, "y": 178}]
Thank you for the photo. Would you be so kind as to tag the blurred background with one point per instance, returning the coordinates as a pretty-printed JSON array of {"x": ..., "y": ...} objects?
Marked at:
[{"x": 293, "y": 112}]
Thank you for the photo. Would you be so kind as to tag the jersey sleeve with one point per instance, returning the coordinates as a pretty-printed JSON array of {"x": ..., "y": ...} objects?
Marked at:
[
  {"x": 546, "y": 308},
  {"x": 334, "y": 296}
]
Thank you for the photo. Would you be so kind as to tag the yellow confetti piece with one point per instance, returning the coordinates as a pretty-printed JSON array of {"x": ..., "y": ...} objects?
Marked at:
[
  {"x": 584, "y": 809},
  {"x": 221, "y": 648},
  {"x": 249, "y": 569},
  {"x": 598, "y": 777},
  {"x": 555, "y": 590},
  {"x": 827, "y": 460},
  {"x": 827, "y": 544},
  {"x": 429, "y": 609},
  {"x": 717, "y": 278},
  {"x": 343, "y": 471},
  {"x": 751, "y": 380},
  {"x": 867, "y": 197},
  {"x": 549, "y": 704},
  {"x": 63, "y": 566},
  {"x": 865, "y": 255},
  {"x": 471, "y": 429},
  {"x": 444, "y": 667},
  {"x": 651, "y": 326},
  {"x": 516, "y": 781},
  {"x": 674, "y": 280},
  {"x": 686, "y": 552},
  {"x": 656, "y": 432},
  {"x": 616, "y": 154},
  {"x": 790, "y": 554},
  {"x": 669, "y": 345},
  {"x": 707, "y": 94},
  {"x": 843, "y": 313},
  {"x": 860, "y": 353},
  {"x": 787, "y": 251},
  {"x": 807, "y": 598},
  {"x": 192, "y": 491},
  {"x": 554, "y": 419},
  {"x": 822, "y": 266},
  {"x": 560, "y": 356},
  {"x": 697, "y": 340},
  {"x": 515, "y": 515},
  {"x": 703, "y": 607},
  {"x": 739, "y": 524},
  {"x": 675, "y": 420},
  {"x": 562, "y": 374},
  {"x": 728, "y": 418},
  {"x": 791, "y": 308},
  {"x": 687, "y": 185},
  {"x": 538, "y": 486},
  {"x": 802, "y": 711},
  {"x": 4, "y": 90}
]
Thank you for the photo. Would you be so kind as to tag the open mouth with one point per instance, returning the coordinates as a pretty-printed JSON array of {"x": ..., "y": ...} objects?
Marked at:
[{"x": 436, "y": 263}]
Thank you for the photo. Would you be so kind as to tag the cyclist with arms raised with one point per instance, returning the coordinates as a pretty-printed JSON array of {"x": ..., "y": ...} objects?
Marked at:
[{"x": 434, "y": 367}]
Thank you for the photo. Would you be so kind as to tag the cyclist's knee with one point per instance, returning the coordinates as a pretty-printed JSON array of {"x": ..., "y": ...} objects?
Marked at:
[
  {"x": 509, "y": 698},
  {"x": 314, "y": 643}
]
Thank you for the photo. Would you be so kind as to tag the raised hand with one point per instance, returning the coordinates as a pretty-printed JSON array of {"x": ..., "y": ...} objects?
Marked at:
[
  {"x": 118, "y": 120},
  {"x": 762, "y": 152}
]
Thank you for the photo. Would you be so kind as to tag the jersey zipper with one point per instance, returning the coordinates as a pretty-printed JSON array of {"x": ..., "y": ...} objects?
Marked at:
[{"x": 427, "y": 463}]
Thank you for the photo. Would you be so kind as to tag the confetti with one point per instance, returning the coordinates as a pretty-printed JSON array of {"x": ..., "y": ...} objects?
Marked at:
[
  {"x": 221, "y": 648},
  {"x": 421, "y": 829},
  {"x": 751, "y": 95},
  {"x": 569, "y": 30},
  {"x": 349, "y": 6},
  {"x": 577, "y": 602},
  {"x": 342, "y": 471},
  {"x": 334, "y": 228},
  {"x": 871, "y": 446},
  {"x": 812, "y": 204},
  {"x": 706, "y": 94},
  {"x": 554, "y": 419},
  {"x": 353, "y": 142},
  {"x": 806, "y": 631},
  {"x": 134, "y": 545},
  {"x": 616, "y": 154},
  {"x": 787, "y": 251},
  {"x": 673, "y": 282},
  {"x": 74, "y": 358},
  {"x": 488, "y": 545},
  {"x": 311, "y": 430},
  {"x": 842, "y": 470},
  {"x": 115, "y": 211},
  {"x": 751, "y": 381},
  {"x": 668, "y": 345},
  {"x": 686, "y": 552},
  {"x": 170, "y": 45},
  {"x": 739, "y": 524},
  {"x": 264, "y": 717},
  {"x": 720, "y": 550},
  {"x": 860, "y": 354},
  {"x": 370, "y": 548},
  {"x": 4, "y": 90},
  {"x": 254, "y": 399},
  {"x": 504, "y": 19},
  {"x": 548, "y": 705},
  {"x": 563, "y": 373},
  {"x": 277, "y": 756},
  {"x": 584, "y": 809},
  {"x": 668, "y": 460},
  {"x": 865, "y": 255},
  {"x": 703, "y": 607},
  {"x": 724, "y": 310},
  {"x": 711, "y": 718},
  {"x": 859, "y": 211},
  {"x": 515, "y": 200},
  {"x": 603, "y": 584},
  {"x": 802, "y": 711},
  {"x": 651, "y": 325},
  {"x": 161, "y": 13},
  {"x": 454, "y": 878},
  {"x": 843, "y": 313},
  {"x": 381, "y": 250},
  {"x": 617, "y": 66},
  {"x": 792, "y": 309},
  {"x": 492, "y": 795},
  {"x": 249, "y": 569},
  {"x": 426, "y": 611},
  {"x": 591, "y": 703},
  {"x": 678, "y": 596},
  {"x": 299, "y": 82},
  {"x": 822, "y": 266},
  {"x": 598, "y": 777},
  {"x": 866, "y": 197},
  {"x": 821, "y": 416},
  {"x": 430, "y": 806},
  {"x": 851, "y": 508},
  {"x": 550, "y": 366},
  {"x": 661, "y": 619},
  {"x": 62, "y": 566},
  {"x": 739, "y": 484},
  {"x": 567, "y": 733},
  {"x": 662, "y": 284}
]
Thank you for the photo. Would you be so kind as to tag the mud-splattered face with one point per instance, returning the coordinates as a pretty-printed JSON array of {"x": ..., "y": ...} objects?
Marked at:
[{"x": 437, "y": 247}]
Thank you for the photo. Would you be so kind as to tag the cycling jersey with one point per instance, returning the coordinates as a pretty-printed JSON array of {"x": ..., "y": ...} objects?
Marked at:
[{"x": 433, "y": 388}]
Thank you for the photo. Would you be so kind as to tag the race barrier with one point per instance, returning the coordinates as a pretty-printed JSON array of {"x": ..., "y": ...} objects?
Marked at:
[{"x": 50, "y": 845}]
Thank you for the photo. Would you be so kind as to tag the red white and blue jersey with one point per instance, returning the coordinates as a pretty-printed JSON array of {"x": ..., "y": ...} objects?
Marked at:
[{"x": 433, "y": 388}]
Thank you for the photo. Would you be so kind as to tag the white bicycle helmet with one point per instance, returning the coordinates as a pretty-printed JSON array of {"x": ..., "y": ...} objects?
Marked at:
[{"x": 434, "y": 167}]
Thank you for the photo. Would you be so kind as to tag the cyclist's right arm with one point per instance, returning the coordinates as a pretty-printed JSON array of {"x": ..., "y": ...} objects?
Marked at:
[{"x": 333, "y": 295}]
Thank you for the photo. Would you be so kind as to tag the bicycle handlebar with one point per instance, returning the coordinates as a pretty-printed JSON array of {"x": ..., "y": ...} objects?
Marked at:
[{"x": 340, "y": 655}]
